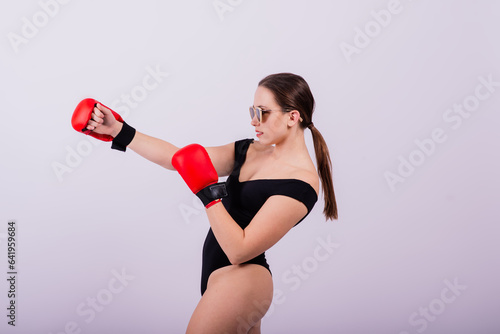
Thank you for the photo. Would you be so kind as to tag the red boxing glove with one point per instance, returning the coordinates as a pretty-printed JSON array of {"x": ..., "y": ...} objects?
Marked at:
[
  {"x": 194, "y": 165},
  {"x": 82, "y": 115}
]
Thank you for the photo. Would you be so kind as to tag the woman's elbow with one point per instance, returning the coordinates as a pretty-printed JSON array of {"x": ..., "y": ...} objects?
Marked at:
[
  {"x": 235, "y": 260},
  {"x": 236, "y": 257}
]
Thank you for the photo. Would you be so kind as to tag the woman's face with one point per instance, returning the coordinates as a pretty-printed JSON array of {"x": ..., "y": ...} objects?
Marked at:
[{"x": 272, "y": 127}]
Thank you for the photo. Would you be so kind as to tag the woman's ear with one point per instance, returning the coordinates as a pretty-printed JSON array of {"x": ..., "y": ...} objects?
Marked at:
[{"x": 294, "y": 117}]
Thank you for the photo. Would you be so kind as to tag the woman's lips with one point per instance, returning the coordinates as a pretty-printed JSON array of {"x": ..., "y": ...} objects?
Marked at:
[{"x": 258, "y": 133}]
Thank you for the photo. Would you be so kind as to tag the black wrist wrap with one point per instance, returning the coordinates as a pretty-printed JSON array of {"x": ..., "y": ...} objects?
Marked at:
[
  {"x": 123, "y": 138},
  {"x": 212, "y": 192}
]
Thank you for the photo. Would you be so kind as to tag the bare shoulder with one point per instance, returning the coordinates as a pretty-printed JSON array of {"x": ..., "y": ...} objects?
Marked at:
[
  {"x": 222, "y": 158},
  {"x": 309, "y": 176},
  {"x": 303, "y": 169}
]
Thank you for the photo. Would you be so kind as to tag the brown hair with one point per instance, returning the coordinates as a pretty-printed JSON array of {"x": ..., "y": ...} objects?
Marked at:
[{"x": 292, "y": 92}]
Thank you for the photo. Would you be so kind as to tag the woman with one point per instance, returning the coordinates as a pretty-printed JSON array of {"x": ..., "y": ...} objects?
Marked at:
[{"x": 272, "y": 186}]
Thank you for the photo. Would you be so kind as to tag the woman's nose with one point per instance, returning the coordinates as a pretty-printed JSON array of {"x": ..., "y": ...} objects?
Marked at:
[{"x": 254, "y": 121}]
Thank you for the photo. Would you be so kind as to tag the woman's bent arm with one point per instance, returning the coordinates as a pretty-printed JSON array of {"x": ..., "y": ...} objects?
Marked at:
[{"x": 275, "y": 218}]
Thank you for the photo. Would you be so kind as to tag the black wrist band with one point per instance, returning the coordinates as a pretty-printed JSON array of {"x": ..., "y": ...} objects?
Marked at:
[
  {"x": 212, "y": 193},
  {"x": 123, "y": 138}
]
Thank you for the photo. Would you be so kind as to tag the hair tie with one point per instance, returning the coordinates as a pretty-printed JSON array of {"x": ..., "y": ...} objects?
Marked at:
[{"x": 311, "y": 125}]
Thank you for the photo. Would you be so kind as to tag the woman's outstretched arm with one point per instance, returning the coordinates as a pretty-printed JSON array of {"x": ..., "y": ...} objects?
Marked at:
[
  {"x": 157, "y": 150},
  {"x": 153, "y": 149}
]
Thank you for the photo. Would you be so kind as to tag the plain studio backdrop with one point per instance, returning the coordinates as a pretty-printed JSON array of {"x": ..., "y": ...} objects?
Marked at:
[{"x": 408, "y": 96}]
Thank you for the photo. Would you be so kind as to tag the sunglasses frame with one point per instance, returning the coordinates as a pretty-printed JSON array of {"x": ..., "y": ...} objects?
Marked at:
[{"x": 257, "y": 111}]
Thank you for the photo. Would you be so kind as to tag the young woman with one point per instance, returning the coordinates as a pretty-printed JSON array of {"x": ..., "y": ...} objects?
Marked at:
[{"x": 272, "y": 186}]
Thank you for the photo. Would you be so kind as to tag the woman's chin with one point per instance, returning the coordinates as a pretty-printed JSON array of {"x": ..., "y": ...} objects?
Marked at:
[
  {"x": 260, "y": 139},
  {"x": 264, "y": 142}
]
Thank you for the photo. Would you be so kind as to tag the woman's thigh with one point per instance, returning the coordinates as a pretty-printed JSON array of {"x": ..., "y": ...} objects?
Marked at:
[{"x": 236, "y": 299}]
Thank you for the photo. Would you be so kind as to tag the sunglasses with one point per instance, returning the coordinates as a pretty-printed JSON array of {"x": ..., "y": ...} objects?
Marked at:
[{"x": 256, "y": 111}]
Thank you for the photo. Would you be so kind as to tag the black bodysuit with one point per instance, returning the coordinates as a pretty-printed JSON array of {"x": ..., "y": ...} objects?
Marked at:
[{"x": 243, "y": 202}]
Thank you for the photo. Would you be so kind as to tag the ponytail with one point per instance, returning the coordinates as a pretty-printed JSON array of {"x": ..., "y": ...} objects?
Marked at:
[{"x": 324, "y": 165}]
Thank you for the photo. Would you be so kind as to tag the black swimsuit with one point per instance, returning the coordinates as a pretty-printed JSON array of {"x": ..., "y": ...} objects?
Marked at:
[{"x": 244, "y": 201}]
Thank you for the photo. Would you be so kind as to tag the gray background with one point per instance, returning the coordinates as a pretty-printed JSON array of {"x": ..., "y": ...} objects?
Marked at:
[{"x": 85, "y": 212}]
